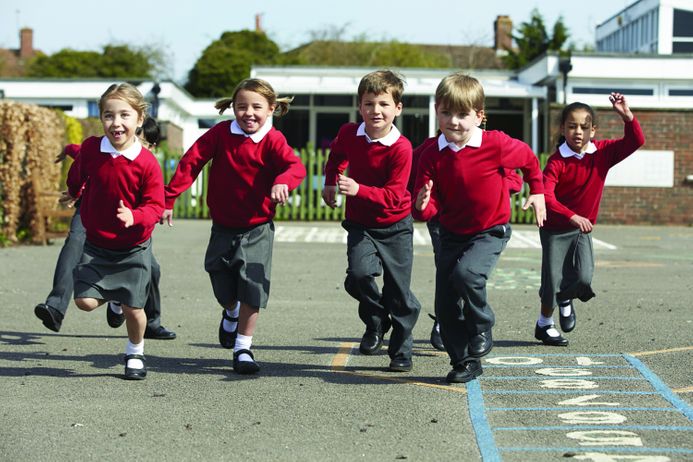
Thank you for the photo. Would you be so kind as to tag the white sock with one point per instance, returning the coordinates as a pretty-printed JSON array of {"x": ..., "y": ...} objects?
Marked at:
[
  {"x": 543, "y": 321},
  {"x": 115, "y": 307},
  {"x": 243, "y": 342},
  {"x": 564, "y": 306},
  {"x": 230, "y": 326},
  {"x": 438, "y": 327},
  {"x": 135, "y": 349}
]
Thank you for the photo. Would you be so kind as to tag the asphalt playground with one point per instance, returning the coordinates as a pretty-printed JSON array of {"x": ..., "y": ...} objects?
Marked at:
[{"x": 622, "y": 390}]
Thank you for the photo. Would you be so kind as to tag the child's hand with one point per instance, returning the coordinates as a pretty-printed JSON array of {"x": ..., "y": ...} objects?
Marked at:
[
  {"x": 347, "y": 186},
  {"x": 581, "y": 222},
  {"x": 125, "y": 215},
  {"x": 280, "y": 194},
  {"x": 167, "y": 216},
  {"x": 539, "y": 206},
  {"x": 67, "y": 200},
  {"x": 424, "y": 196},
  {"x": 329, "y": 195},
  {"x": 621, "y": 106},
  {"x": 60, "y": 157}
]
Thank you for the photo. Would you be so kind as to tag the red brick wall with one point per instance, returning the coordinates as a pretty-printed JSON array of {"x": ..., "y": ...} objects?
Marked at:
[{"x": 664, "y": 130}]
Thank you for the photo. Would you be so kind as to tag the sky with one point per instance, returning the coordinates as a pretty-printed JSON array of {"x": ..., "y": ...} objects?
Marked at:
[{"x": 184, "y": 29}]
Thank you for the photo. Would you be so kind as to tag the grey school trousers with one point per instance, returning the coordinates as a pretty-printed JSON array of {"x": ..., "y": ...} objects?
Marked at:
[
  {"x": 463, "y": 267},
  {"x": 389, "y": 252},
  {"x": 63, "y": 280}
]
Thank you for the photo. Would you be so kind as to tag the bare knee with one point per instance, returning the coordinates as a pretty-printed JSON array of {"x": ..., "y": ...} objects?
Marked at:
[{"x": 86, "y": 304}]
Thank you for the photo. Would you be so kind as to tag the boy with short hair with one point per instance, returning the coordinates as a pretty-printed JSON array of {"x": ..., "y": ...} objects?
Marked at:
[
  {"x": 460, "y": 180},
  {"x": 378, "y": 216}
]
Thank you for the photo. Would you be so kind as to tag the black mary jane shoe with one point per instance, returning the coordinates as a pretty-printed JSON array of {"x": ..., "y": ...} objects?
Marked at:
[
  {"x": 135, "y": 374},
  {"x": 567, "y": 322},
  {"x": 542, "y": 334},
  {"x": 112, "y": 318},
  {"x": 227, "y": 339},
  {"x": 464, "y": 372},
  {"x": 244, "y": 367}
]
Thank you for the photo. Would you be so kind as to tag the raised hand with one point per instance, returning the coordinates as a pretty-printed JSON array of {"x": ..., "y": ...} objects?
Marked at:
[{"x": 618, "y": 101}]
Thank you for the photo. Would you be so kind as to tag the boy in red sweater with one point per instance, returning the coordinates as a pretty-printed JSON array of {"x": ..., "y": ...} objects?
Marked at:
[
  {"x": 378, "y": 216},
  {"x": 574, "y": 181},
  {"x": 121, "y": 203},
  {"x": 460, "y": 180}
]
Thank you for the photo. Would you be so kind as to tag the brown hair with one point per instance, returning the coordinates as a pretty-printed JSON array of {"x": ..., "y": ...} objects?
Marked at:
[
  {"x": 383, "y": 81},
  {"x": 460, "y": 93},
  {"x": 260, "y": 87},
  {"x": 128, "y": 93},
  {"x": 576, "y": 106}
]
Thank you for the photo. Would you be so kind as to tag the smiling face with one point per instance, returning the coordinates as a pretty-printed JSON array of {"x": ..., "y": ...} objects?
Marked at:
[
  {"x": 578, "y": 129},
  {"x": 458, "y": 126},
  {"x": 251, "y": 110},
  {"x": 378, "y": 113},
  {"x": 120, "y": 122}
]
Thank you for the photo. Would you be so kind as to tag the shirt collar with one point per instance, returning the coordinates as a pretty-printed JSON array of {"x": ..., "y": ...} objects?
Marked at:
[
  {"x": 387, "y": 140},
  {"x": 565, "y": 150},
  {"x": 258, "y": 135},
  {"x": 474, "y": 141},
  {"x": 130, "y": 153}
]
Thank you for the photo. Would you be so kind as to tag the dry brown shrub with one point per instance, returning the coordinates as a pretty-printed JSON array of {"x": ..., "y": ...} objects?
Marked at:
[{"x": 30, "y": 138}]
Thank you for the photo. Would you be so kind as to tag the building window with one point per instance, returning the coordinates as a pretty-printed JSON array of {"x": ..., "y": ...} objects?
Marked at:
[
  {"x": 681, "y": 92},
  {"x": 93, "y": 109},
  {"x": 682, "y": 47},
  {"x": 334, "y": 100},
  {"x": 294, "y": 125},
  {"x": 683, "y": 23},
  {"x": 606, "y": 91}
]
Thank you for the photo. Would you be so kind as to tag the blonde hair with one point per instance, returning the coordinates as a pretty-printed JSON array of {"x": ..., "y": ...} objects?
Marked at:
[
  {"x": 382, "y": 81},
  {"x": 460, "y": 93},
  {"x": 262, "y": 88},
  {"x": 128, "y": 93}
]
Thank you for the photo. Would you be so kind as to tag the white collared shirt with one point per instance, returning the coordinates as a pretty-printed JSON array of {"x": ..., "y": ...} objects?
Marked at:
[
  {"x": 474, "y": 141},
  {"x": 258, "y": 135},
  {"x": 130, "y": 153},
  {"x": 387, "y": 140},
  {"x": 566, "y": 152}
]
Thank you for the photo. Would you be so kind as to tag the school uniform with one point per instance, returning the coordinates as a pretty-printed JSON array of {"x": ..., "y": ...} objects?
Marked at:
[
  {"x": 573, "y": 184},
  {"x": 116, "y": 261},
  {"x": 380, "y": 231},
  {"x": 70, "y": 254},
  {"x": 470, "y": 197},
  {"x": 243, "y": 171}
]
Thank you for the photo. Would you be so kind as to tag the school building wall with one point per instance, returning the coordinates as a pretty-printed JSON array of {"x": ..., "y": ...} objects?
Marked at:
[{"x": 665, "y": 130}]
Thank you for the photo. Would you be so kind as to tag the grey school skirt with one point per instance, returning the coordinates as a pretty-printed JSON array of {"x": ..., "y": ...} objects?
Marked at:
[
  {"x": 239, "y": 263},
  {"x": 567, "y": 266},
  {"x": 117, "y": 275}
]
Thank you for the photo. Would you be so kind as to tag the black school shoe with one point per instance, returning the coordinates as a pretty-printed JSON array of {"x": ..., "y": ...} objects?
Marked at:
[
  {"x": 436, "y": 339},
  {"x": 400, "y": 365},
  {"x": 465, "y": 371},
  {"x": 371, "y": 342},
  {"x": 135, "y": 374},
  {"x": 480, "y": 344},
  {"x": 244, "y": 367},
  {"x": 112, "y": 318},
  {"x": 50, "y": 317},
  {"x": 567, "y": 322},
  {"x": 227, "y": 339},
  {"x": 160, "y": 333},
  {"x": 541, "y": 333}
]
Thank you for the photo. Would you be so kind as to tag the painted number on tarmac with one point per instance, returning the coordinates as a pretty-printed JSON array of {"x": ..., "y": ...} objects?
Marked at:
[{"x": 599, "y": 408}]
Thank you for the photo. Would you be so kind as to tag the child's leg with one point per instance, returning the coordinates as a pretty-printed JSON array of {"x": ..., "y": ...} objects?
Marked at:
[
  {"x": 88, "y": 304},
  {"x": 228, "y": 327},
  {"x": 243, "y": 360},
  {"x": 136, "y": 323}
]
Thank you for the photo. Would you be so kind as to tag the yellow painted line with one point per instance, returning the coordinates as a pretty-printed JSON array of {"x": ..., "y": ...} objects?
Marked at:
[
  {"x": 627, "y": 264},
  {"x": 657, "y": 352},
  {"x": 341, "y": 358},
  {"x": 683, "y": 390}
]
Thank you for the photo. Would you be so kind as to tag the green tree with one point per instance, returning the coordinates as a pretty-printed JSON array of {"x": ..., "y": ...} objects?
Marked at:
[
  {"x": 119, "y": 61},
  {"x": 227, "y": 61},
  {"x": 533, "y": 40}
]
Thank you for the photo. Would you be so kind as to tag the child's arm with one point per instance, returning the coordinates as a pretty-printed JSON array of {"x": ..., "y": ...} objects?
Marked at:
[
  {"x": 425, "y": 206},
  {"x": 394, "y": 188},
  {"x": 71, "y": 150},
  {"x": 512, "y": 180},
  {"x": 336, "y": 164},
  {"x": 552, "y": 174},
  {"x": 633, "y": 138},
  {"x": 291, "y": 170},
  {"x": 151, "y": 204}
]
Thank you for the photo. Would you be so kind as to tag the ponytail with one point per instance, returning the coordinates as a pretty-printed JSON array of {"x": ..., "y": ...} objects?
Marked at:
[{"x": 260, "y": 87}]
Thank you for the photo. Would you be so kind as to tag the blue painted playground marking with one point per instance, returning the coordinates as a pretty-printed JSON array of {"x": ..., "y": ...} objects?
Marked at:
[{"x": 484, "y": 432}]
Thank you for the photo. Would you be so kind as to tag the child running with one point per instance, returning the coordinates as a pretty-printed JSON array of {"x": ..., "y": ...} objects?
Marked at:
[
  {"x": 460, "y": 179},
  {"x": 253, "y": 169},
  {"x": 122, "y": 198},
  {"x": 574, "y": 182},
  {"x": 378, "y": 216}
]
